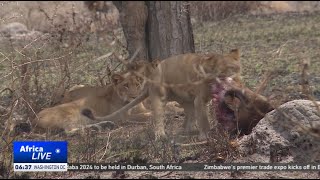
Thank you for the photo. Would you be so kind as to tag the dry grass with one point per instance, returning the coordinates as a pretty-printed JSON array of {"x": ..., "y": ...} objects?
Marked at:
[
  {"x": 276, "y": 43},
  {"x": 40, "y": 65},
  {"x": 207, "y": 11},
  {"x": 34, "y": 68},
  {"x": 204, "y": 11}
]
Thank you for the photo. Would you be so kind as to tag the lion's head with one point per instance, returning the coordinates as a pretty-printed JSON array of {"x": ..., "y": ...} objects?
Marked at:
[
  {"x": 224, "y": 65},
  {"x": 127, "y": 86}
]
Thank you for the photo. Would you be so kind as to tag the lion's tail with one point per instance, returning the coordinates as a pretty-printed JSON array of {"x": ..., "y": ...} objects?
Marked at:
[{"x": 87, "y": 113}]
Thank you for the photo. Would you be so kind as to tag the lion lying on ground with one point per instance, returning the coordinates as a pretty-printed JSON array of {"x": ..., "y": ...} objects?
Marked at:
[
  {"x": 103, "y": 101},
  {"x": 186, "y": 79},
  {"x": 80, "y": 91}
]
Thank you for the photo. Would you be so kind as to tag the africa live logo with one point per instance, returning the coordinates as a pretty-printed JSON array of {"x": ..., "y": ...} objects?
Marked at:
[{"x": 40, "y": 151}]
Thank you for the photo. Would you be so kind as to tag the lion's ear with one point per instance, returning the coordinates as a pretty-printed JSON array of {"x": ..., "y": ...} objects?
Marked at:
[
  {"x": 235, "y": 53},
  {"x": 116, "y": 79}
]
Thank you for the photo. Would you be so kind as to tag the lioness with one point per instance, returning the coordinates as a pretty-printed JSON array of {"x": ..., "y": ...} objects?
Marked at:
[
  {"x": 143, "y": 68},
  {"x": 78, "y": 92},
  {"x": 186, "y": 79},
  {"x": 103, "y": 101}
]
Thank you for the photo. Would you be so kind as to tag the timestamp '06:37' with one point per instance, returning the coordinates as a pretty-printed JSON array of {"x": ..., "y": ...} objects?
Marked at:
[{"x": 22, "y": 166}]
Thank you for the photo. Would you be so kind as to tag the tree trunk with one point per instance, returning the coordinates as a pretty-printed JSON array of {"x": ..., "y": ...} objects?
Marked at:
[
  {"x": 169, "y": 29},
  {"x": 160, "y": 28},
  {"x": 133, "y": 17}
]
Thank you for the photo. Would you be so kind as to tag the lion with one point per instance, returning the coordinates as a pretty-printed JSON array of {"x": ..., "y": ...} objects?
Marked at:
[
  {"x": 80, "y": 91},
  {"x": 184, "y": 78},
  {"x": 99, "y": 102},
  {"x": 142, "y": 68},
  {"x": 239, "y": 109}
]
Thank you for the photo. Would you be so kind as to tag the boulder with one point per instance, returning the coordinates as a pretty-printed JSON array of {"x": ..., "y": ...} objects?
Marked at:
[{"x": 290, "y": 133}]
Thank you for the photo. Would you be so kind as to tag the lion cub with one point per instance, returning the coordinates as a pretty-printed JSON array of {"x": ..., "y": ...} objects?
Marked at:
[{"x": 103, "y": 101}]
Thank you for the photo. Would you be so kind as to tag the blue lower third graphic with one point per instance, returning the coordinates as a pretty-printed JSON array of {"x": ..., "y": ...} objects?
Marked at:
[{"x": 40, "y": 155}]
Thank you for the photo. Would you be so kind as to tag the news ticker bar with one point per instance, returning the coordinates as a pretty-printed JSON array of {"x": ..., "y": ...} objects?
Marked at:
[
  {"x": 165, "y": 167},
  {"x": 194, "y": 167}
]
